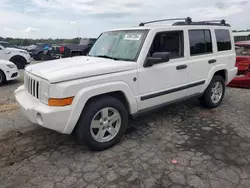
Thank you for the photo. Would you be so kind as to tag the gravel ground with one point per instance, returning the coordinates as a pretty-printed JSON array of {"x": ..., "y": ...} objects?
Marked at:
[{"x": 211, "y": 149}]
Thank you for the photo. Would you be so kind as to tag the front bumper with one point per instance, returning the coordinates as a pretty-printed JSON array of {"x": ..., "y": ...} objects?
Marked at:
[
  {"x": 12, "y": 74},
  {"x": 54, "y": 118}
]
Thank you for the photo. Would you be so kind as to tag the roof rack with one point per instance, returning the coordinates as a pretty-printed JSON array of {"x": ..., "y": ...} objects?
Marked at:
[{"x": 188, "y": 21}]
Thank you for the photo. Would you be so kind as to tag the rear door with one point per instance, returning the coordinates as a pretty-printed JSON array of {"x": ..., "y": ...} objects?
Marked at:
[
  {"x": 225, "y": 49},
  {"x": 201, "y": 58}
]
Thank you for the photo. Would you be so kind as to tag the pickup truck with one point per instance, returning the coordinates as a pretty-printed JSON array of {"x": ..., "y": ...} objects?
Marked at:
[{"x": 71, "y": 50}]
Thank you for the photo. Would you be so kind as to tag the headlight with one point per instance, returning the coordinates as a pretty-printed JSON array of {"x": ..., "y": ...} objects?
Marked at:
[
  {"x": 11, "y": 66},
  {"x": 44, "y": 90},
  {"x": 23, "y": 52}
]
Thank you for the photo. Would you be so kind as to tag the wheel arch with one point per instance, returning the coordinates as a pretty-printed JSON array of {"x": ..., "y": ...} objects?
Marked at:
[
  {"x": 217, "y": 70},
  {"x": 119, "y": 90},
  {"x": 17, "y": 57}
]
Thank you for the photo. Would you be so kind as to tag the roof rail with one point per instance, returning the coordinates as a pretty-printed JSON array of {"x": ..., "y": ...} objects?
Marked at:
[
  {"x": 208, "y": 22},
  {"x": 188, "y": 20}
]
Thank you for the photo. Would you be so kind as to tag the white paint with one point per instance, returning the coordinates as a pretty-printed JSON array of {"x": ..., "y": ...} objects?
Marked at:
[
  {"x": 7, "y": 70},
  {"x": 8, "y": 53},
  {"x": 85, "y": 77}
]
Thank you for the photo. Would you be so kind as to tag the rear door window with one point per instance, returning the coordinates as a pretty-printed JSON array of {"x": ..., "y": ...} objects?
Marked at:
[
  {"x": 200, "y": 42},
  {"x": 223, "y": 39}
]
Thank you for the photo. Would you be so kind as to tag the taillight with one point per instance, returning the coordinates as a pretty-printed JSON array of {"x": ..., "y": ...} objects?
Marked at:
[{"x": 61, "y": 49}]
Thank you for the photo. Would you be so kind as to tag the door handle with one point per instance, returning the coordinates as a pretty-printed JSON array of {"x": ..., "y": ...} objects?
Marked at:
[
  {"x": 181, "y": 67},
  {"x": 212, "y": 61}
]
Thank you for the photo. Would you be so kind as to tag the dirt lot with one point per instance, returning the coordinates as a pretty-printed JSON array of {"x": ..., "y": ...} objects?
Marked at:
[{"x": 211, "y": 147}]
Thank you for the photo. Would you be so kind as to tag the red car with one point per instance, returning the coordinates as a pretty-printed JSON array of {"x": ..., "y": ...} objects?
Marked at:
[{"x": 242, "y": 79}]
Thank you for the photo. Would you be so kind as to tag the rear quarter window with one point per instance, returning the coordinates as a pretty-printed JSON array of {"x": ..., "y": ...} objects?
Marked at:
[{"x": 223, "y": 39}]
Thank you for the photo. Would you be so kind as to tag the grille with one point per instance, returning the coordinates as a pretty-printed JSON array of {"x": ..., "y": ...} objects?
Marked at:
[{"x": 32, "y": 86}]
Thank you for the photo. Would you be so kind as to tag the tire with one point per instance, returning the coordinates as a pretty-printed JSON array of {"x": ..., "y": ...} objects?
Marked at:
[
  {"x": 96, "y": 110},
  {"x": 39, "y": 56},
  {"x": 207, "y": 99},
  {"x": 44, "y": 58},
  {"x": 2, "y": 78},
  {"x": 20, "y": 62}
]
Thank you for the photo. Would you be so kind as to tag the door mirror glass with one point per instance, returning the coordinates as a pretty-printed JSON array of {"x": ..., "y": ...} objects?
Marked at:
[{"x": 156, "y": 58}]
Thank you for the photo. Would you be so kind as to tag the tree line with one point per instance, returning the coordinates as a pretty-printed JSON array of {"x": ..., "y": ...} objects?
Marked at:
[
  {"x": 248, "y": 30},
  {"x": 27, "y": 42}
]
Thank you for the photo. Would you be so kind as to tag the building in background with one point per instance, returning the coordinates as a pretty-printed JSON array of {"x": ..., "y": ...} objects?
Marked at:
[{"x": 241, "y": 36}]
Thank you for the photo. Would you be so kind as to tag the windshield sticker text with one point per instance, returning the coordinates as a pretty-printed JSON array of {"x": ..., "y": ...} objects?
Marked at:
[{"x": 132, "y": 37}]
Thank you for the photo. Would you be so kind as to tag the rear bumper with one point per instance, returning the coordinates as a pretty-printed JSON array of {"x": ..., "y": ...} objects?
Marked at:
[
  {"x": 54, "y": 118},
  {"x": 231, "y": 74}
]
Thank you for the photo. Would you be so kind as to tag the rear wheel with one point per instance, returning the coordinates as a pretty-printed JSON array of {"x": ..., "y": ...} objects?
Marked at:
[
  {"x": 103, "y": 123},
  {"x": 214, "y": 94},
  {"x": 2, "y": 78},
  {"x": 39, "y": 56}
]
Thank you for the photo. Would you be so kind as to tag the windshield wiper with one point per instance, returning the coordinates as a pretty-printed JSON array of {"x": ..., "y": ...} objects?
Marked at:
[{"x": 108, "y": 57}]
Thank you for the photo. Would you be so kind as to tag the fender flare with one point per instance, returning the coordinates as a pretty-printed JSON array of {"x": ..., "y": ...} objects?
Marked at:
[
  {"x": 212, "y": 72},
  {"x": 85, "y": 94}
]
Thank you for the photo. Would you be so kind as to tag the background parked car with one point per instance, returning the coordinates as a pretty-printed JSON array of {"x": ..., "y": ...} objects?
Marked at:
[
  {"x": 71, "y": 50},
  {"x": 37, "y": 51},
  {"x": 14, "y": 54},
  {"x": 242, "y": 79},
  {"x": 8, "y": 71}
]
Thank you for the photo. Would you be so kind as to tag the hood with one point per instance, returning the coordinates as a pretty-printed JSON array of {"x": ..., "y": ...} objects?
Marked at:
[
  {"x": 5, "y": 62},
  {"x": 16, "y": 49},
  {"x": 78, "y": 67}
]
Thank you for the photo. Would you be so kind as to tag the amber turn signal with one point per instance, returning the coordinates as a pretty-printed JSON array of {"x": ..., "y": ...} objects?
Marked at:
[{"x": 60, "y": 102}]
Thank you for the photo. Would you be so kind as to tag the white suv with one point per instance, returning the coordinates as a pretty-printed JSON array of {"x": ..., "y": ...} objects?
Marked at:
[
  {"x": 128, "y": 72},
  {"x": 11, "y": 53}
]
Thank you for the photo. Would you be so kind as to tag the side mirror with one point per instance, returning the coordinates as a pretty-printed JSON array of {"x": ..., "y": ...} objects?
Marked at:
[{"x": 157, "y": 57}]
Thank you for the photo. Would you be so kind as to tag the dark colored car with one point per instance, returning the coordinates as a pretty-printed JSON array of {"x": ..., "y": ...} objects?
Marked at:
[
  {"x": 71, "y": 50},
  {"x": 37, "y": 52}
]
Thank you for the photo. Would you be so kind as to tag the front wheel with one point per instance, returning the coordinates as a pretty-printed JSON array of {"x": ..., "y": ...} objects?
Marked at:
[
  {"x": 2, "y": 78},
  {"x": 103, "y": 123},
  {"x": 214, "y": 94}
]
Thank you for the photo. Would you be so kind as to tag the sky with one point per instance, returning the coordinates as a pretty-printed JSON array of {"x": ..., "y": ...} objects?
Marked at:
[{"x": 89, "y": 18}]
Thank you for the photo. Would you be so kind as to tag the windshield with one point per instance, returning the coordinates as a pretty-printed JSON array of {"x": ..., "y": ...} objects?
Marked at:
[
  {"x": 119, "y": 45},
  {"x": 7, "y": 45},
  {"x": 242, "y": 50}
]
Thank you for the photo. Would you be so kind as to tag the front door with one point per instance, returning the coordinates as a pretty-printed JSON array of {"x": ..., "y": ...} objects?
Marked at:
[{"x": 164, "y": 82}]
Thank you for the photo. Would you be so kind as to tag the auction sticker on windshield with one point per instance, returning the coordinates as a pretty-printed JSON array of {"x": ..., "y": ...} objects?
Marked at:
[{"x": 132, "y": 36}]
